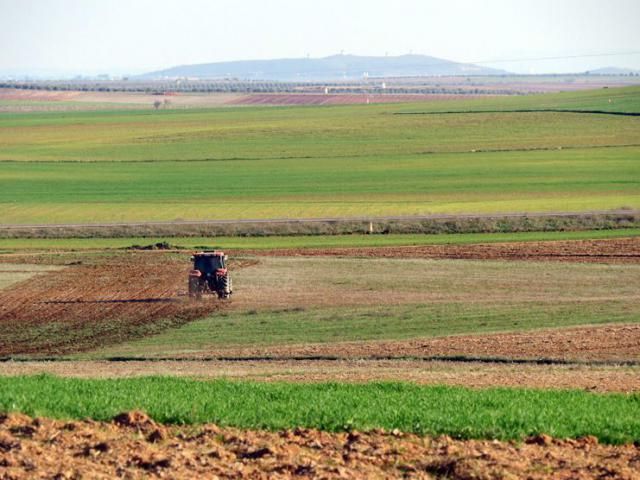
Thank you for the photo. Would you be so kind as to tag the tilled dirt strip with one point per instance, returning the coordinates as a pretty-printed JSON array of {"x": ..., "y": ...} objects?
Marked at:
[
  {"x": 133, "y": 446},
  {"x": 596, "y": 378},
  {"x": 621, "y": 250},
  {"x": 90, "y": 305},
  {"x": 339, "y": 98},
  {"x": 608, "y": 342}
]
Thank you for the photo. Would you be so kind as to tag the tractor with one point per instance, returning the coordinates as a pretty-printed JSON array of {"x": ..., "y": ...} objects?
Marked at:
[{"x": 210, "y": 275}]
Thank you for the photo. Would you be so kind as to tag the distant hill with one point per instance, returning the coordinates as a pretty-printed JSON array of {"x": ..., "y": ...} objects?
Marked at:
[
  {"x": 612, "y": 71},
  {"x": 336, "y": 67}
]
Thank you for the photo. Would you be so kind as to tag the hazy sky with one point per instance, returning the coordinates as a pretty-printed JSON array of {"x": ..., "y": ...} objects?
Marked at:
[{"x": 131, "y": 36}]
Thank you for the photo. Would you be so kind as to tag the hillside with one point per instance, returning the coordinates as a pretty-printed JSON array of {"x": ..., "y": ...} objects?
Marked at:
[
  {"x": 336, "y": 67},
  {"x": 622, "y": 101},
  {"x": 613, "y": 71}
]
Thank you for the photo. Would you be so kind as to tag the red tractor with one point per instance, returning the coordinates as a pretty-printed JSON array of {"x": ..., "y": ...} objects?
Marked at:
[{"x": 210, "y": 275}]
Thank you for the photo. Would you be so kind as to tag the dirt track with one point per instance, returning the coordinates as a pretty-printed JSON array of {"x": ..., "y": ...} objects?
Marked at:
[
  {"x": 622, "y": 250},
  {"x": 133, "y": 446}
]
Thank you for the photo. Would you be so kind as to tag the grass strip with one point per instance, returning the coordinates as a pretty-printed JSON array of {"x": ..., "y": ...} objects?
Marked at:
[
  {"x": 499, "y": 413},
  {"x": 377, "y": 323},
  {"x": 313, "y": 241}
]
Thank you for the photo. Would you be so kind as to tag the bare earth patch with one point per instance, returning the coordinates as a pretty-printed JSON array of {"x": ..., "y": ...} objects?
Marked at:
[
  {"x": 81, "y": 100},
  {"x": 340, "y": 98},
  {"x": 622, "y": 250},
  {"x": 134, "y": 446},
  {"x": 89, "y": 305},
  {"x": 608, "y": 342}
]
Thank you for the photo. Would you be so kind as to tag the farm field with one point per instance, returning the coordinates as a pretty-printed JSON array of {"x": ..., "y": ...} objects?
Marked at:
[
  {"x": 10, "y": 273},
  {"x": 21, "y": 101},
  {"x": 263, "y": 241},
  {"x": 527, "y": 325},
  {"x": 309, "y": 241},
  {"x": 512, "y": 366},
  {"x": 334, "y": 295},
  {"x": 592, "y": 377},
  {"x": 457, "y": 355},
  {"x": 138, "y": 445},
  {"x": 618, "y": 100},
  {"x": 342, "y": 98},
  {"x": 341, "y": 131},
  {"x": 305, "y": 162},
  {"x": 568, "y": 414},
  {"x": 572, "y": 180}
]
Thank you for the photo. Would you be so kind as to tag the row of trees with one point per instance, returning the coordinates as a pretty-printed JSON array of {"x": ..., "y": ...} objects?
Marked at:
[{"x": 249, "y": 87}]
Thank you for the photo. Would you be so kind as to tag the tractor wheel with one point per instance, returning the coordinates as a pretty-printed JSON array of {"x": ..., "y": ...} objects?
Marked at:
[
  {"x": 194, "y": 288},
  {"x": 225, "y": 287}
]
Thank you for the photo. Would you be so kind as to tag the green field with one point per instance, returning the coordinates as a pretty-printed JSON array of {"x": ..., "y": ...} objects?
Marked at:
[
  {"x": 616, "y": 100},
  {"x": 459, "y": 412},
  {"x": 470, "y": 156},
  {"x": 406, "y": 322},
  {"x": 298, "y": 162},
  {"x": 325, "y": 300},
  {"x": 309, "y": 241}
]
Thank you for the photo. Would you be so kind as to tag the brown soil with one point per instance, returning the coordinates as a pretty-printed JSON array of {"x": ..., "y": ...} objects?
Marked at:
[
  {"x": 96, "y": 304},
  {"x": 134, "y": 446},
  {"x": 115, "y": 97},
  {"x": 621, "y": 250},
  {"x": 468, "y": 374},
  {"x": 342, "y": 98},
  {"x": 37, "y": 95},
  {"x": 609, "y": 342},
  {"x": 114, "y": 298}
]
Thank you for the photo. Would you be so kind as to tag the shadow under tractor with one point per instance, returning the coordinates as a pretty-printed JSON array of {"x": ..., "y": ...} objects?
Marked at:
[{"x": 210, "y": 275}]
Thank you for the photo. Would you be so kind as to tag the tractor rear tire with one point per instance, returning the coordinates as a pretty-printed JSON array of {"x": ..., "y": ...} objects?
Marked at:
[
  {"x": 194, "y": 288},
  {"x": 225, "y": 287}
]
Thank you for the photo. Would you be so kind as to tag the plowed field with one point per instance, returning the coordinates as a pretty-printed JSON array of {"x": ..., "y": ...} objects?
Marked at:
[
  {"x": 340, "y": 99},
  {"x": 121, "y": 297},
  {"x": 611, "y": 343},
  {"x": 37, "y": 95},
  {"x": 134, "y": 446},
  {"x": 623, "y": 250},
  {"x": 90, "y": 305}
]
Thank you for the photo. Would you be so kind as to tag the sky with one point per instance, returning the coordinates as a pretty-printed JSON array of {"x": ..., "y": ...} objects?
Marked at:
[{"x": 63, "y": 37}]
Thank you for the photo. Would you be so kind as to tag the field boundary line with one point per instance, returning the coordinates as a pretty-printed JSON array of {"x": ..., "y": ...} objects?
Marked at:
[
  {"x": 293, "y": 221},
  {"x": 334, "y": 358},
  {"x": 525, "y": 110}
]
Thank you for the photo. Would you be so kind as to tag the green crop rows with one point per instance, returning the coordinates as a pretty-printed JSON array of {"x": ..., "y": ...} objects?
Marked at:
[
  {"x": 464, "y": 413},
  {"x": 320, "y": 161}
]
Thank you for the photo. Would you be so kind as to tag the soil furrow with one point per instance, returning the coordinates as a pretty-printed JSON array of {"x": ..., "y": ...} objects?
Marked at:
[{"x": 622, "y": 250}]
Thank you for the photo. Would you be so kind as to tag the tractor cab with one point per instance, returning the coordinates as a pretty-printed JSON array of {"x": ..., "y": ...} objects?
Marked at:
[
  {"x": 209, "y": 262},
  {"x": 210, "y": 275}
]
